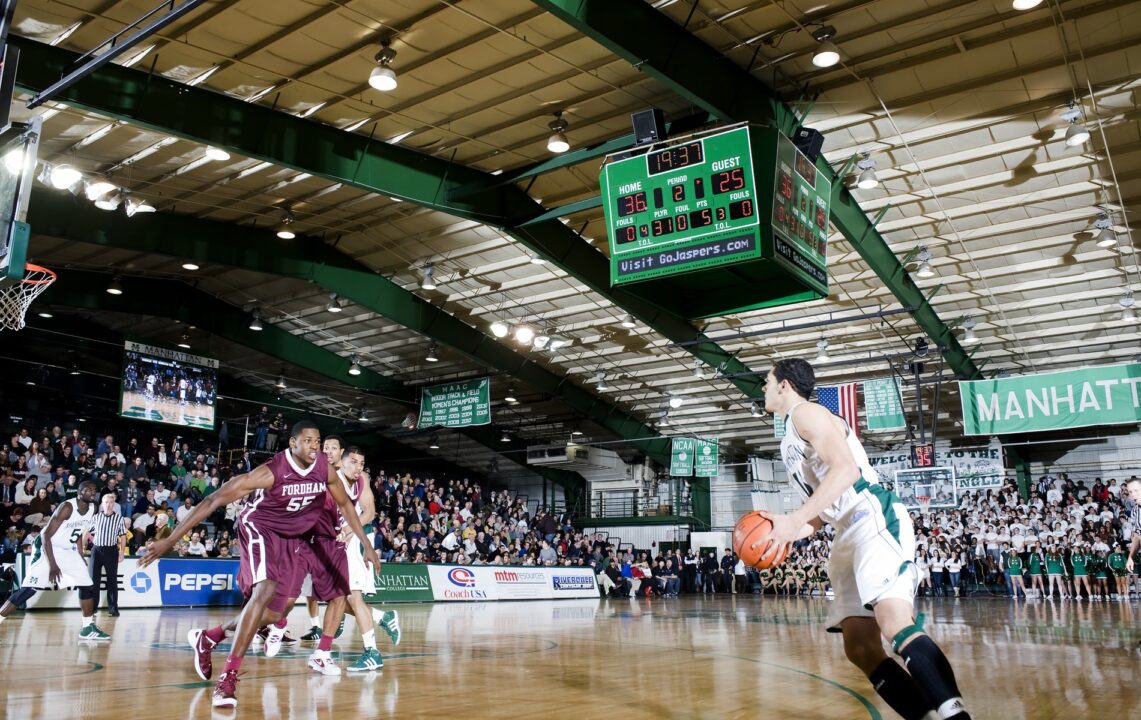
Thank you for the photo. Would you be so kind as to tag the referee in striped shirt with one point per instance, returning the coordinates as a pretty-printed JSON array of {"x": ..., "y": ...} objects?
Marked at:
[
  {"x": 110, "y": 544},
  {"x": 1133, "y": 489}
]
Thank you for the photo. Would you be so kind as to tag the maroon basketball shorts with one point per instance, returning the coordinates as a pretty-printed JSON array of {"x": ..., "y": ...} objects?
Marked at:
[
  {"x": 327, "y": 563},
  {"x": 269, "y": 556}
]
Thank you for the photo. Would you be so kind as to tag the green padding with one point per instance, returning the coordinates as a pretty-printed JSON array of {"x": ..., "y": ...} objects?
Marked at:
[{"x": 907, "y": 633}]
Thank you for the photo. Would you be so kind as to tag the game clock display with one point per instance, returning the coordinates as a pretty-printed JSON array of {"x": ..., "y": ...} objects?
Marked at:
[
  {"x": 681, "y": 208},
  {"x": 724, "y": 197}
]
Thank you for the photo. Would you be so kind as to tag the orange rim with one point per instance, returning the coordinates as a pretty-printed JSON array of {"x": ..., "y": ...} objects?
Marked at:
[{"x": 38, "y": 268}]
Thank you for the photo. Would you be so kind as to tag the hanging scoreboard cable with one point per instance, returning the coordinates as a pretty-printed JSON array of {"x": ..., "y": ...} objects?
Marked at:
[{"x": 726, "y": 197}]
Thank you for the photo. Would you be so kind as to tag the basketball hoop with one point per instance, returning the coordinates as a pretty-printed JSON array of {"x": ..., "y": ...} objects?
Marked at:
[
  {"x": 924, "y": 503},
  {"x": 15, "y": 298}
]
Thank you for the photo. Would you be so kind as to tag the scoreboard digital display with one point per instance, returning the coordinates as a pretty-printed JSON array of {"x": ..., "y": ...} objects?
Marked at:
[
  {"x": 727, "y": 197},
  {"x": 685, "y": 207}
]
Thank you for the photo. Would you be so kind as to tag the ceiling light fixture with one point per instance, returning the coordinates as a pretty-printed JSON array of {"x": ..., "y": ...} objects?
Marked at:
[
  {"x": 600, "y": 378},
  {"x": 115, "y": 288},
  {"x": 45, "y": 314},
  {"x": 355, "y": 367},
  {"x": 216, "y": 153},
  {"x": 97, "y": 187},
  {"x": 383, "y": 77},
  {"x": 538, "y": 260},
  {"x": 505, "y": 437},
  {"x": 499, "y": 329},
  {"x": 822, "y": 350},
  {"x": 363, "y": 417},
  {"x": 698, "y": 369},
  {"x": 1106, "y": 238},
  {"x": 426, "y": 281},
  {"x": 1026, "y": 4},
  {"x": 433, "y": 443},
  {"x": 558, "y": 142},
  {"x": 284, "y": 231},
  {"x": 628, "y": 321},
  {"x": 510, "y": 396},
  {"x": 524, "y": 334},
  {"x": 675, "y": 401},
  {"x": 969, "y": 336},
  {"x": 184, "y": 341},
  {"x": 74, "y": 370},
  {"x": 109, "y": 202},
  {"x": 827, "y": 54},
  {"x": 1077, "y": 133},
  {"x": 1126, "y": 302},
  {"x": 280, "y": 384},
  {"x": 334, "y": 305},
  {"x": 576, "y": 432},
  {"x": 432, "y": 357},
  {"x": 14, "y": 160},
  {"x": 64, "y": 176},
  {"x": 542, "y": 338},
  {"x": 134, "y": 206},
  {"x": 755, "y": 409},
  {"x": 558, "y": 343},
  {"x": 255, "y": 321},
  {"x": 924, "y": 269},
  {"x": 190, "y": 266},
  {"x": 867, "y": 179}
]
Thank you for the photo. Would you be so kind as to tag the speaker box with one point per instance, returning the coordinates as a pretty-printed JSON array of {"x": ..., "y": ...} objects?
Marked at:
[
  {"x": 809, "y": 141},
  {"x": 649, "y": 126}
]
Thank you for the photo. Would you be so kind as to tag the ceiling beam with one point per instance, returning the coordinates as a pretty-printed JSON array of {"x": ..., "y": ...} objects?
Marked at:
[
  {"x": 263, "y": 133},
  {"x": 650, "y": 40}
]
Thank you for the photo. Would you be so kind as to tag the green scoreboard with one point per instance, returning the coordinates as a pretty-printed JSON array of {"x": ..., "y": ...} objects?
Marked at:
[{"x": 735, "y": 196}]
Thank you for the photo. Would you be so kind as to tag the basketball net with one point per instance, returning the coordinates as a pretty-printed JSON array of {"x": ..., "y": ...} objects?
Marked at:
[
  {"x": 16, "y": 297},
  {"x": 924, "y": 503}
]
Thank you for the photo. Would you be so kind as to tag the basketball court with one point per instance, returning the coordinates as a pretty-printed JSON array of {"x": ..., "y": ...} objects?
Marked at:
[{"x": 721, "y": 657}]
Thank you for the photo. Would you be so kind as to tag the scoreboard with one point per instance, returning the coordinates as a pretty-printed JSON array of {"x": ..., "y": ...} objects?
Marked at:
[{"x": 727, "y": 197}]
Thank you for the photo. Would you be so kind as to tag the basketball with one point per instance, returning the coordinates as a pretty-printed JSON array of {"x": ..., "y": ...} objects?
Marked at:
[{"x": 751, "y": 528}]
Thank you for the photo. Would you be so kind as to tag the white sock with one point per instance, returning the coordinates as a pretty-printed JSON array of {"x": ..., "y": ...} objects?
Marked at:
[
  {"x": 2, "y": 619},
  {"x": 315, "y": 621},
  {"x": 369, "y": 639},
  {"x": 377, "y": 616},
  {"x": 88, "y": 620},
  {"x": 320, "y": 654}
]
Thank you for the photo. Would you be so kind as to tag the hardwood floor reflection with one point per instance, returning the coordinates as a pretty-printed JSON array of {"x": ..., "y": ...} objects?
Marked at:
[{"x": 691, "y": 657}]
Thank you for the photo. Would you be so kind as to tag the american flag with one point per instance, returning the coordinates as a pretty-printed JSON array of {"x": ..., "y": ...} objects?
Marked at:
[{"x": 841, "y": 400}]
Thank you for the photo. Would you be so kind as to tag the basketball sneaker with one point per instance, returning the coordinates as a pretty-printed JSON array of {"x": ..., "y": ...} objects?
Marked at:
[
  {"x": 93, "y": 633},
  {"x": 273, "y": 640},
  {"x": 313, "y": 635},
  {"x": 225, "y": 692},
  {"x": 389, "y": 622},
  {"x": 203, "y": 646},
  {"x": 369, "y": 660},
  {"x": 323, "y": 662},
  {"x": 340, "y": 629}
]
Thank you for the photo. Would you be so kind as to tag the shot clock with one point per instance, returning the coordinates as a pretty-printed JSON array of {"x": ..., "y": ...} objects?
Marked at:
[{"x": 731, "y": 196}]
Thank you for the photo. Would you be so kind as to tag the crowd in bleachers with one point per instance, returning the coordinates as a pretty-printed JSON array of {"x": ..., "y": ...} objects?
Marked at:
[{"x": 1065, "y": 540}]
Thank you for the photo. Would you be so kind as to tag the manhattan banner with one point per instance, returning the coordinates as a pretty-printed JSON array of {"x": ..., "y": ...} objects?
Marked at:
[
  {"x": 681, "y": 457},
  {"x": 706, "y": 458},
  {"x": 461, "y": 404},
  {"x": 882, "y": 405},
  {"x": 1106, "y": 395}
]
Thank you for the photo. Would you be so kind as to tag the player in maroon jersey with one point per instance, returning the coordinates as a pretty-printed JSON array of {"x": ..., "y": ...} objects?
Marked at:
[{"x": 288, "y": 499}]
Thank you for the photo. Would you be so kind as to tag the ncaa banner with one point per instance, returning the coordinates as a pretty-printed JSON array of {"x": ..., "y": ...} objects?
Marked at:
[
  {"x": 681, "y": 457},
  {"x": 1105, "y": 395}
]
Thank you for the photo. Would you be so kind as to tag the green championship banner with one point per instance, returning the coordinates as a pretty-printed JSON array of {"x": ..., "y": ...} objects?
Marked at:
[
  {"x": 882, "y": 406},
  {"x": 681, "y": 457},
  {"x": 461, "y": 404},
  {"x": 706, "y": 458},
  {"x": 401, "y": 582},
  {"x": 1106, "y": 395}
]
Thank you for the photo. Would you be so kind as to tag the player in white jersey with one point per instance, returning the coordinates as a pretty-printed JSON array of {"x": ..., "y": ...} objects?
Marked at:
[
  {"x": 151, "y": 385},
  {"x": 1133, "y": 490},
  {"x": 57, "y": 561},
  {"x": 871, "y": 562}
]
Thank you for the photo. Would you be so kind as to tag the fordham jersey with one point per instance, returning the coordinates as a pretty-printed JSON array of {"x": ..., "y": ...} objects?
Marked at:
[
  {"x": 295, "y": 502},
  {"x": 797, "y": 454},
  {"x": 331, "y": 521}
]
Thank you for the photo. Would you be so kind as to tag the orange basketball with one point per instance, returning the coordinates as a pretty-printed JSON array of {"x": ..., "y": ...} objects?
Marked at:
[{"x": 751, "y": 528}]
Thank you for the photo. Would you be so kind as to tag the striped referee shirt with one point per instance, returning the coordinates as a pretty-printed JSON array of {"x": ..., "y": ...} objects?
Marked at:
[{"x": 108, "y": 529}]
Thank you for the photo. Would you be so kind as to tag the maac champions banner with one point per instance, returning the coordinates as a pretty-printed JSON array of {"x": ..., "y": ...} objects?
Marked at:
[{"x": 1106, "y": 395}]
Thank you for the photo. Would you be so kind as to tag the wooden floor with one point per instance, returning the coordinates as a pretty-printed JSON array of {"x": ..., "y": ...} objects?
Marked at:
[{"x": 721, "y": 657}]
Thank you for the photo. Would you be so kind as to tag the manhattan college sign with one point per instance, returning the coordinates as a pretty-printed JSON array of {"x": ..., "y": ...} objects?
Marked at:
[{"x": 1107, "y": 395}]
